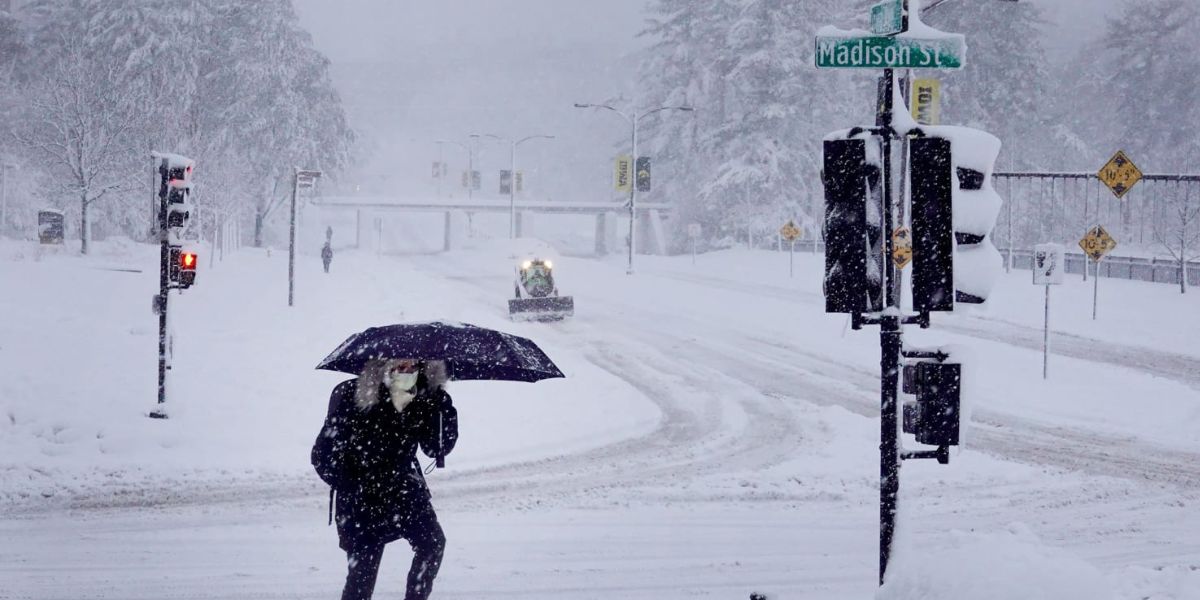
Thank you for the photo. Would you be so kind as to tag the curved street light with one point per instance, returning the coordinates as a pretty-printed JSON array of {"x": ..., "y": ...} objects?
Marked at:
[
  {"x": 512, "y": 176},
  {"x": 633, "y": 119}
]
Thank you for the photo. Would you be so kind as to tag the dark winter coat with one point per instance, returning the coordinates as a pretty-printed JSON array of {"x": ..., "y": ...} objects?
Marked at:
[{"x": 368, "y": 456}]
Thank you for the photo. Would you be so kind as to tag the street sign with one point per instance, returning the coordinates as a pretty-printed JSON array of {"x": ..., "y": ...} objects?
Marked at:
[
  {"x": 694, "y": 230},
  {"x": 505, "y": 181},
  {"x": 902, "y": 247},
  {"x": 927, "y": 101},
  {"x": 1120, "y": 174},
  {"x": 1049, "y": 264},
  {"x": 1097, "y": 243},
  {"x": 790, "y": 232},
  {"x": 841, "y": 52},
  {"x": 621, "y": 179},
  {"x": 887, "y": 17}
]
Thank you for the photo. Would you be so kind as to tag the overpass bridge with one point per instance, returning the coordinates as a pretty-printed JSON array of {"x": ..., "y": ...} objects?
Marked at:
[{"x": 651, "y": 235}]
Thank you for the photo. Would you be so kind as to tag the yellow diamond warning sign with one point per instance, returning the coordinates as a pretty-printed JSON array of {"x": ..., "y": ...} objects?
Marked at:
[
  {"x": 790, "y": 232},
  {"x": 1120, "y": 174},
  {"x": 902, "y": 247},
  {"x": 1097, "y": 243}
]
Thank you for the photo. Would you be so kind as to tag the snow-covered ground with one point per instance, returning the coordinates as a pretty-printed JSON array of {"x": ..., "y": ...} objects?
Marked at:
[{"x": 716, "y": 434}]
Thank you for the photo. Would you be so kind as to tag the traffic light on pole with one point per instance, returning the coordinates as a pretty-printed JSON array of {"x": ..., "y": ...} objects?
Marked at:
[
  {"x": 179, "y": 187},
  {"x": 954, "y": 210},
  {"x": 853, "y": 217},
  {"x": 183, "y": 267}
]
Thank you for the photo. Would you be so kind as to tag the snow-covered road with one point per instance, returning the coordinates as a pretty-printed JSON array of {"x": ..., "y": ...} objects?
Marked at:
[{"x": 716, "y": 435}]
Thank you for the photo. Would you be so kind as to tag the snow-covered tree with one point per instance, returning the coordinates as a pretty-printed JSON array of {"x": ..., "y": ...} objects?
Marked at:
[
  {"x": 1003, "y": 89},
  {"x": 1178, "y": 229},
  {"x": 1152, "y": 70},
  {"x": 78, "y": 127}
]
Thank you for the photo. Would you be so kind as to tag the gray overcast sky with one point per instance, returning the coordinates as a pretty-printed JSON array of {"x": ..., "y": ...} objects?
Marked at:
[{"x": 414, "y": 71}]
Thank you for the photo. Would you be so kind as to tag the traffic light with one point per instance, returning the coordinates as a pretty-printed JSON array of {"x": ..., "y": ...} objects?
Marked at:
[
  {"x": 182, "y": 271},
  {"x": 178, "y": 184},
  {"x": 853, "y": 213},
  {"x": 954, "y": 210},
  {"x": 642, "y": 173},
  {"x": 506, "y": 181},
  {"x": 935, "y": 417}
]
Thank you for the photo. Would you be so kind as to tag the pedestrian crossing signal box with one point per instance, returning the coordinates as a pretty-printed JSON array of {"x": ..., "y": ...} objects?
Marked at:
[
  {"x": 935, "y": 416},
  {"x": 182, "y": 267}
]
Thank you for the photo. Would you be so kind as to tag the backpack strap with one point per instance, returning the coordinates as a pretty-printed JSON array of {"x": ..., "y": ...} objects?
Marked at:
[{"x": 331, "y": 490}]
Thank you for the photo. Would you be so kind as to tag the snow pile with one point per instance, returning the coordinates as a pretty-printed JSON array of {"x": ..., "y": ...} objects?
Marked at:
[{"x": 991, "y": 566}]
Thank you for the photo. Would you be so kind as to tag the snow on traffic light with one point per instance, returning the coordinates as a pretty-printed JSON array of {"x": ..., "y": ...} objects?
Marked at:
[
  {"x": 853, "y": 218},
  {"x": 954, "y": 209}
]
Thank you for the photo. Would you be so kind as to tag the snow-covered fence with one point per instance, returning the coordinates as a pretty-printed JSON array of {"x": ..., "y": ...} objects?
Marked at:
[{"x": 1154, "y": 270}]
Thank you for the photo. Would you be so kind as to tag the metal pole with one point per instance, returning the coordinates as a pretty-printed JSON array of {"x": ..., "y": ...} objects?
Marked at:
[
  {"x": 633, "y": 195},
  {"x": 1095, "y": 289},
  {"x": 693, "y": 249},
  {"x": 890, "y": 342},
  {"x": 1011, "y": 243},
  {"x": 512, "y": 192},
  {"x": 164, "y": 258},
  {"x": 470, "y": 171},
  {"x": 4, "y": 170},
  {"x": 292, "y": 238},
  {"x": 1046, "y": 339},
  {"x": 791, "y": 258}
]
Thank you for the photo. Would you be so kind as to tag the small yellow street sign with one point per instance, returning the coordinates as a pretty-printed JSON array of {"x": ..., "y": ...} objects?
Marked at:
[
  {"x": 790, "y": 232},
  {"x": 902, "y": 247},
  {"x": 1120, "y": 174},
  {"x": 1097, "y": 243},
  {"x": 621, "y": 173},
  {"x": 927, "y": 101}
]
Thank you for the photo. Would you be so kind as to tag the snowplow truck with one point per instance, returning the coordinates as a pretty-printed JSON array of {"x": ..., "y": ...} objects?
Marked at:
[{"x": 536, "y": 294}]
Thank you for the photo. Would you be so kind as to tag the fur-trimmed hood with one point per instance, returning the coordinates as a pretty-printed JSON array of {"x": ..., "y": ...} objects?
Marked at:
[{"x": 370, "y": 382}]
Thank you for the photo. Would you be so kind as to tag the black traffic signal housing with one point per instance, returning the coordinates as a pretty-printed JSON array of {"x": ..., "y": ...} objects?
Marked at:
[
  {"x": 935, "y": 417},
  {"x": 932, "y": 224},
  {"x": 182, "y": 267},
  {"x": 954, "y": 210},
  {"x": 853, "y": 256}
]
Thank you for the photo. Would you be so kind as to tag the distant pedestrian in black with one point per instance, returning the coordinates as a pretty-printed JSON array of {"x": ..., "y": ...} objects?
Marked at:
[
  {"x": 326, "y": 255},
  {"x": 366, "y": 452}
]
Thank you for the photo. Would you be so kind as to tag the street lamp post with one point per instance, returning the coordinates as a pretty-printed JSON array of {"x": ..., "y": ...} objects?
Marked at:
[
  {"x": 512, "y": 174},
  {"x": 633, "y": 119}
]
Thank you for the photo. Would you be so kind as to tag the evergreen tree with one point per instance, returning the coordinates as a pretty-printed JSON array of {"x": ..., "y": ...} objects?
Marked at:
[{"x": 1003, "y": 89}]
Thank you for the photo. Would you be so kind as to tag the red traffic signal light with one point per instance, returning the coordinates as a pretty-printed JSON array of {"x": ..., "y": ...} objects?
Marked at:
[{"x": 187, "y": 261}]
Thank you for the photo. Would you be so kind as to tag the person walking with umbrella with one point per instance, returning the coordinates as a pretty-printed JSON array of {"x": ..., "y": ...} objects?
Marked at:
[{"x": 366, "y": 452}]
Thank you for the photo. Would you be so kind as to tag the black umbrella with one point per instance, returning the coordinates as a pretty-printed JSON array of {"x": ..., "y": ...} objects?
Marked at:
[{"x": 470, "y": 352}]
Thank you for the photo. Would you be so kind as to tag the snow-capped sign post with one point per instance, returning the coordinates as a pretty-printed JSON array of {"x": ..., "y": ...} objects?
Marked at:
[
  {"x": 953, "y": 210},
  {"x": 1096, "y": 243},
  {"x": 694, "y": 231},
  {"x": 302, "y": 180},
  {"x": 177, "y": 267},
  {"x": 1049, "y": 268},
  {"x": 790, "y": 233}
]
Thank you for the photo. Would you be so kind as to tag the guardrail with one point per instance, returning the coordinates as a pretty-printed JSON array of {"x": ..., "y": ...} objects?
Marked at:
[
  {"x": 1120, "y": 267},
  {"x": 1152, "y": 270}
]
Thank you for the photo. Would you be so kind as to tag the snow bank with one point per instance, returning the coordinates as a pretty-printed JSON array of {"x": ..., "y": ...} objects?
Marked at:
[{"x": 991, "y": 566}]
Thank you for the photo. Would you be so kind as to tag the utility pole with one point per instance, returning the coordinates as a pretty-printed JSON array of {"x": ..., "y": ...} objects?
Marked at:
[{"x": 633, "y": 119}]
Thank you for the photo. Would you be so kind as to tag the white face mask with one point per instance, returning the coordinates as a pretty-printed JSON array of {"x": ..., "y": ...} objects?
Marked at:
[{"x": 400, "y": 386}]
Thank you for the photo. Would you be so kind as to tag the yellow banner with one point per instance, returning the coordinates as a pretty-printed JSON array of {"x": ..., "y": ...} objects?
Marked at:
[
  {"x": 621, "y": 173},
  {"x": 927, "y": 101}
]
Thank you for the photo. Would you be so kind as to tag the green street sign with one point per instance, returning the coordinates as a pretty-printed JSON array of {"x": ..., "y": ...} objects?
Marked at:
[
  {"x": 837, "y": 52},
  {"x": 887, "y": 17}
]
